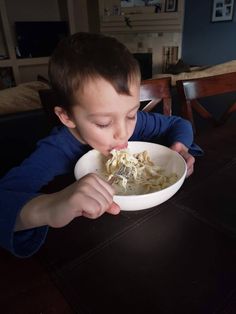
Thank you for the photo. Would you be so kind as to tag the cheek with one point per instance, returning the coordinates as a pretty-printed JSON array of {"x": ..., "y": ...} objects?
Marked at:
[
  {"x": 96, "y": 137},
  {"x": 102, "y": 139},
  {"x": 131, "y": 127}
]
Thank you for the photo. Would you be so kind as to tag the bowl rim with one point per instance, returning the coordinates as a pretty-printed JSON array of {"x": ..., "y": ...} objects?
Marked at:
[{"x": 183, "y": 176}]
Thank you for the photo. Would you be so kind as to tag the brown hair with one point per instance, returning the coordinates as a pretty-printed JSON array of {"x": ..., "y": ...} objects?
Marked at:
[{"x": 85, "y": 56}]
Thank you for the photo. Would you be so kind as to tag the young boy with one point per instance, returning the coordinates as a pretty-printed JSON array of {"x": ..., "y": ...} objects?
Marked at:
[{"x": 97, "y": 83}]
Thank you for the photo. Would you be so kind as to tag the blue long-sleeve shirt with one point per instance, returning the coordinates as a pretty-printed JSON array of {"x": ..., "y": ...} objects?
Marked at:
[{"x": 56, "y": 155}]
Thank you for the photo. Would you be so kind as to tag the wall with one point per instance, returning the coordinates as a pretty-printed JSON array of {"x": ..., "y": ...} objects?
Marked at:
[
  {"x": 83, "y": 15},
  {"x": 151, "y": 42},
  {"x": 28, "y": 10},
  {"x": 158, "y": 33},
  {"x": 204, "y": 42}
]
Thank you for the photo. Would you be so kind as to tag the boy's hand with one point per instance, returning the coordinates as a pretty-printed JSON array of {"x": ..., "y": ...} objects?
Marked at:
[
  {"x": 183, "y": 151},
  {"x": 91, "y": 196}
]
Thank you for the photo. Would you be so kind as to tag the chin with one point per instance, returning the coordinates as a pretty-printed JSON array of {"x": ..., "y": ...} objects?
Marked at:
[{"x": 104, "y": 152}]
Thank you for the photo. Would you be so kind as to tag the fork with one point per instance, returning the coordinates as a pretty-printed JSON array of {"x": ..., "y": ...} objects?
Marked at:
[{"x": 122, "y": 171}]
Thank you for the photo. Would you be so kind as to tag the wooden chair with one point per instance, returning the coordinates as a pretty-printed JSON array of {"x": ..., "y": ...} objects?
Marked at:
[
  {"x": 156, "y": 91},
  {"x": 192, "y": 92}
]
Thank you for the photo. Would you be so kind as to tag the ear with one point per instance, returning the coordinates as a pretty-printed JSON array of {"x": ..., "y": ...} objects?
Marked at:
[{"x": 64, "y": 117}]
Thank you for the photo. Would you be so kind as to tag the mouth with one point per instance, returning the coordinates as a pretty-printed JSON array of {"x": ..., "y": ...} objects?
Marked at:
[{"x": 120, "y": 147}]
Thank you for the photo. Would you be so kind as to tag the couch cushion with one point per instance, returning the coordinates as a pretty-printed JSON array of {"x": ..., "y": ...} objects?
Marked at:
[
  {"x": 204, "y": 71},
  {"x": 23, "y": 97}
]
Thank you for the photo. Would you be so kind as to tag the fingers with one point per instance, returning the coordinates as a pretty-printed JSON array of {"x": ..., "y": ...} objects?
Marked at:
[
  {"x": 97, "y": 197},
  {"x": 190, "y": 160},
  {"x": 190, "y": 164},
  {"x": 183, "y": 151},
  {"x": 114, "y": 209}
]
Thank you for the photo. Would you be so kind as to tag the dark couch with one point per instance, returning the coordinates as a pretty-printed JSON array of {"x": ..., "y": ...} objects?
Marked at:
[{"x": 19, "y": 133}]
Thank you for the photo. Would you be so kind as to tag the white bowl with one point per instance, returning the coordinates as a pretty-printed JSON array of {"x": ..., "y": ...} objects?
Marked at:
[{"x": 160, "y": 155}]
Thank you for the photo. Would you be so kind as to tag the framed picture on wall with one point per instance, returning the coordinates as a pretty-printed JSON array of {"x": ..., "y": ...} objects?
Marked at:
[
  {"x": 222, "y": 10},
  {"x": 170, "y": 5}
]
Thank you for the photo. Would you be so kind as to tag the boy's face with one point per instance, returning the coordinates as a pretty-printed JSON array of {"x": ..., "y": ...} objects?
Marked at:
[{"x": 104, "y": 119}]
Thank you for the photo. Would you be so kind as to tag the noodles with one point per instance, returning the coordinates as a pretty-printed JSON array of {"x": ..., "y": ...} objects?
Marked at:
[{"x": 144, "y": 176}]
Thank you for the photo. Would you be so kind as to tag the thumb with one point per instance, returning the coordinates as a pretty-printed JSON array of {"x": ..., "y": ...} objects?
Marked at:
[
  {"x": 114, "y": 209},
  {"x": 178, "y": 147}
]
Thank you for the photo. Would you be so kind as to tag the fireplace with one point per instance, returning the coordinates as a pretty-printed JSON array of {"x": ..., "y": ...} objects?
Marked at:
[{"x": 145, "y": 62}]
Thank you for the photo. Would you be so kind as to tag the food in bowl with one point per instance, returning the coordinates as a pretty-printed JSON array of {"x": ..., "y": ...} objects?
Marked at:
[
  {"x": 167, "y": 159},
  {"x": 140, "y": 175}
]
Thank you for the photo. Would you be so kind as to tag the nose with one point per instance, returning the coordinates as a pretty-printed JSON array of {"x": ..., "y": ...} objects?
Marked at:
[{"x": 120, "y": 131}]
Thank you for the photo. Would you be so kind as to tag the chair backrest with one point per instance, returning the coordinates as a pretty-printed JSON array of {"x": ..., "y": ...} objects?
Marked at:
[
  {"x": 192, "y": 91},
  {"x": 156, "y": 91}
]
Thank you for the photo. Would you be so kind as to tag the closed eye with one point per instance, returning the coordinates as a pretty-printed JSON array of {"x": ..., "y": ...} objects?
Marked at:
[
  {"x": 102, "y": 126},
  {"x": 133, "y": 117}
]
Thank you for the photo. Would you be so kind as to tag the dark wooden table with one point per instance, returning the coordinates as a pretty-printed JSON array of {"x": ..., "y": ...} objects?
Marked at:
[{"x": 179, "y": 257}]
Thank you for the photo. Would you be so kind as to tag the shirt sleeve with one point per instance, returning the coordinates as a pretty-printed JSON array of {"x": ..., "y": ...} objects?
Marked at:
[
  {"x": 166, "y": 130},
  {"x": 54, "y": 156},
  {"x": 20, "y": 185},
  {"x": 22, "y": 243}
]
